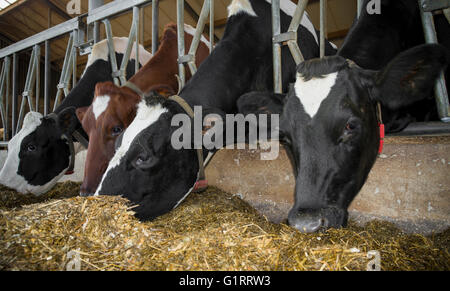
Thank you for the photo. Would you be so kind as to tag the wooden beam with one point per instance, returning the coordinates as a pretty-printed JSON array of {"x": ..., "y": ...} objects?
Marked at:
[
  {"x": 12, "y": 7},
  {"x": 57, "y": 9}
]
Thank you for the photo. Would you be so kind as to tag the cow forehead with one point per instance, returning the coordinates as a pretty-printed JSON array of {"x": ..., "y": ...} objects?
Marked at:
[
  {"x": 314, "y": 91},
  {"x": 146, "y": 115},
  {"x": 30, "y": 124},
  {"x": 99, "y": 105}
]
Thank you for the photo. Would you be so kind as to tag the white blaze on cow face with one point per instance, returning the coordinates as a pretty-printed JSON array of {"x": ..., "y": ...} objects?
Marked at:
[
  {"x": 241, "y": 6},
  {"x": 312, "y": 92},
  {"x": 100, "y": 104},
  {"x": 9, "y": 174},
  {"x": 146, "y": 115}
]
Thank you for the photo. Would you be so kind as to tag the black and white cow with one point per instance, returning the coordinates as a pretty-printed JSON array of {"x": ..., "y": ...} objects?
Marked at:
[
  {"x": 375, "y": 39},
  {"x": 146, "y": 169},
  {"x": 329, "y": 121},
  {"x": 330, "y": 124},
  {"x": 39, "y": 155}
]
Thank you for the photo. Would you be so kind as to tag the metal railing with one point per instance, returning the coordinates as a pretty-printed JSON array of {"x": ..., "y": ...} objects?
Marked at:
[
  {"x": 189, "y": 58},
  {"x": 75, "y": 28}
]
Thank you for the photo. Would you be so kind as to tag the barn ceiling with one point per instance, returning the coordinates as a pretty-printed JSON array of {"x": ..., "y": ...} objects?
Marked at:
[{"x": 24, "y": 18}]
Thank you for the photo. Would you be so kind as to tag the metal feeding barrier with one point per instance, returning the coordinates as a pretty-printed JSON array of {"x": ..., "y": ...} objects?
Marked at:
[
  {"x": 426, "y": 13},
  {"x": 290, "y": 37},
  {"x": 75, "y": 28},
  {"x": 189, "y": 58},
  {"x": 101, "y": 13}
]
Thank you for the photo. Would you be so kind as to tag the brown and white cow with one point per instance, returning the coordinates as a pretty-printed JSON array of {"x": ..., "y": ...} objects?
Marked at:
[{"x": 114, "y": 108}]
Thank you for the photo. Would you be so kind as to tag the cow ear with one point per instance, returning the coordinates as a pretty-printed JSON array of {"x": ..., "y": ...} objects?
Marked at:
[
  {"x": 81, "y": 112},
  {"x": 67, "y": 120},
  {"x": 410, "y": 77}
]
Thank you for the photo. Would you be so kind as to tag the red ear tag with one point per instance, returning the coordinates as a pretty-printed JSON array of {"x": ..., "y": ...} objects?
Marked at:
[
  {"x": 381, "y": 126},
  {"x": 200, "y": 186}
]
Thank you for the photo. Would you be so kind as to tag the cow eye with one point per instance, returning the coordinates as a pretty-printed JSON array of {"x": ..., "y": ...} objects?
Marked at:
[
  {"x": 31, "y": 148},
  {"x": 116, "y": 130}
]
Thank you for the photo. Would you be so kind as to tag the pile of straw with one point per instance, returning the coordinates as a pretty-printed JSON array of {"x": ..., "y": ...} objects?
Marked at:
[{"x": 209, "y": 231}]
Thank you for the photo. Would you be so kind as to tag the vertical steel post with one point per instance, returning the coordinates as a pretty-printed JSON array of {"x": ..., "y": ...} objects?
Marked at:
[
  {"x": 323, "y": 26},
  {"x": 440, "y": 87},
  {"x": 95, "y": 31},
  {"x": 137, "y": 19},
  {"x": 15, "y": 93},
  {"x": 47, "y": 78},
  {"x": 359, "y": 4},
  {"x": 155, "y": 25},
  {"x": 211, "y": 26},
  {"x": 37, "y": 63},
  {"x": 276, "y": 30},
  {"x": 8, "y": 78},
  {"x": 181, "y": 48},
  {"x": 74, "y": 58}
]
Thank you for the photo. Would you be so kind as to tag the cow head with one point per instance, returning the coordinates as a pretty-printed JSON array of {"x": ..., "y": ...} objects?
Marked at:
[
  {"x": 146, "y": 168},
  {"x": 330, "y": 125},
  {"x": 39, "y": 154},
  {"x": 111, "y": 112}
]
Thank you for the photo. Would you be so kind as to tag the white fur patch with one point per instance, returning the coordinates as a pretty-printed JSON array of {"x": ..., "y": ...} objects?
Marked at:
[
  {"x": 145, "y": 116},
  {"x": 240, "y": 6},
  {"x": 311, "y": 93},
  {"x": 100, "y": 51},
  {"x": 8, "y": 174},
  {"x": 191, "y": 30},
  {"x": 289, "y": 7},
  {"x": 99, "y": 105}
]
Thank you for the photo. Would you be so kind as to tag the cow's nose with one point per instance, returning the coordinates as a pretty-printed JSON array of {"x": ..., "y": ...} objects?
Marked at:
[
  {"x": 306, "y": 223},
  {"x": 85, "y": 192}
]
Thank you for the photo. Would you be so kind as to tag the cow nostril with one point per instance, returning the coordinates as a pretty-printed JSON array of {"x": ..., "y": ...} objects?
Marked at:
[{"x": 307, "y": 225}]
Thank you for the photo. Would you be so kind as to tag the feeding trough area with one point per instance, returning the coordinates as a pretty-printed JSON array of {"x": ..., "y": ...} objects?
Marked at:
[
  {"x": 235, "y": 135},
  {"x": 213, "y": 230}
]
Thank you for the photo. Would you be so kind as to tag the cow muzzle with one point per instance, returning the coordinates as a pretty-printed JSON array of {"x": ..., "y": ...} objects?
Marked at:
[{"x": 314, "y": 220}]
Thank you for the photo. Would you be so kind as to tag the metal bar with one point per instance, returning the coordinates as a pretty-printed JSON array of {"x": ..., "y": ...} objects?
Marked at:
[
  {"x": 432, "y": 5},
  {"x": 62, "y": 80},
  {"x": 133, "y": 36},
  {"x": 3, "y": 115},
  {"x": 113, "y": 8},
  {"x": 38, "y": 38},
  {"x": 74, "y": 58},
  {"x": 198, "y": 34},
  {"x": 47, "y": 78},
  {"x": 181, "y": 48},
  {"x": 155, "y": 25},
  {"x": 15, "y": 92},
  {"x": 37, "y": 64},
  {"x": 359, "y": 7},
  {"x": 440, "y": 87},
  {"x": 137, "y": 19},
  {"x": 276, "y": 30},
  {"x": 298, "y": 15},
  {"x": 211, "y": 26},
  {"x": 111, "y": 49},
  {"x": 95, "y": 27},
  {"x": 323, "y": 26},
  {"x": 8, "y": 78}
]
